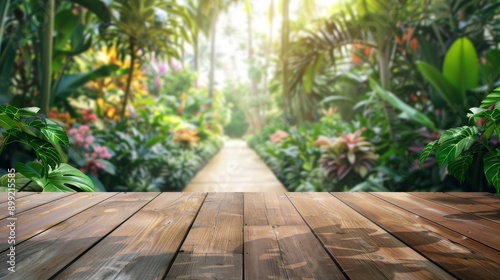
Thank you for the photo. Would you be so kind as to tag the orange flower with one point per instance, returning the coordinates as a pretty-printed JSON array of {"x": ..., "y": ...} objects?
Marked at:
[
  {"x": 401, "y": 41},
  {"x": 187, "y": 137}
]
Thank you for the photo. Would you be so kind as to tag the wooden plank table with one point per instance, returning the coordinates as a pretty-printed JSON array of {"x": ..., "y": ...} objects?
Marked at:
[{"x": 267, "y": 235}]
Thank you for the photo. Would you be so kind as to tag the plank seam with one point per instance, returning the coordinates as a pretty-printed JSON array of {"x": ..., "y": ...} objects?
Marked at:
[
  {"x": 479, "y": 241},
  {"x": 320, "y": 241},
  {"x": 456, "y": 208},
  {"x": 104, "y": 236},
  {"x": 389, "y": 232},
  {"x": 45, "y": 229},
  {"x": 184, "y": 238},
  {"x": 38, "y": 205}
]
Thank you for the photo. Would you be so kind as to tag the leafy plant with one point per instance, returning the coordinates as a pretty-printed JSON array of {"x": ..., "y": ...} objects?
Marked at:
[
  {"x": 347, "y": 158},
  {"x": 45, "y": 137},
  {"x": 461, "y": 147},
  {"x": 460, "y": 73}
]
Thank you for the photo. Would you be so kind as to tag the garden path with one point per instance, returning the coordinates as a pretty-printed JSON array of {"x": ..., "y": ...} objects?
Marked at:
[{"x": 236, "y": 168}]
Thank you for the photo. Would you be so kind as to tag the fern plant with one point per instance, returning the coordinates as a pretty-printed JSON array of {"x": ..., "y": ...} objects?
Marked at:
[
  {"x": 48, "y": 173},
  {"x": 457, "y": 147}
]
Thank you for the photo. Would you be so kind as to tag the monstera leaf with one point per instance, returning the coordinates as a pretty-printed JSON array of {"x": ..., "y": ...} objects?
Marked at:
[
  {"x": 64, "y": 178},
  {"x": 454, "y": 141},
  {"x": 492, "y": 168},
  {"x": 426, "y": 152},
  {"x": 459, "y": 166}
]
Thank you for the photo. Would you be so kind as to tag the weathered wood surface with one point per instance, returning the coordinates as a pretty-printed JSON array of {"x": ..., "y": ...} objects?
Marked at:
[
  {"x": 253, "y": 236},
  {"x": 236, "y": 168}
]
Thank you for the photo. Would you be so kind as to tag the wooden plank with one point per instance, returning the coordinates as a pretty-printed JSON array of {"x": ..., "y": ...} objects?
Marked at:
[
  {"x": 482, "y": 230},
  {"x": 206, "y": 266},
  {"x": 50, "y": 251},
  {"x": 217, "y": 234},
  {"x": 145, "y": 245},
  {"x": 4, "y": 195},
  {"x": 461, "y": 256},
  {"x": 34, "y": 221},
  {"x": 484, "y": 198},
  {"x": 462, "y": 204},
  {"x": 279, "y": 244},
  {"x": 270, "y": 209},
  {"x": 359, "y": 246},
  {"x": 262, "y": 254},
  {"x": 286, "y": 252},
  {"x": 32, "y": 201}
]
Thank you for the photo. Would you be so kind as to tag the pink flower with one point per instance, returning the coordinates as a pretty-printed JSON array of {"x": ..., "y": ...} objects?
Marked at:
[
  {"x": 157, "y": 82},
  {"x": 72, "y": 132},
  {"x": 84, "y": 129},
  {"x": 162, "y": 68},
  {"x": 278, "y": 136}
]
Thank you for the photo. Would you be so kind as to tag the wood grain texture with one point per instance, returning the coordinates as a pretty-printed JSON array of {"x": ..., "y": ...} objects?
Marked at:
[
  {"x": 279, "y": 244},
  {"x": 215, "y": 239},
  {"x": 4, "y": 196},
  {"x": 465, "y": 258},
  {"x": 31, "y": 201},
  {"x": 300, "y": 254},
  {"x": 478, "y": 209},
  {"x": 218, "y": 228},
  {"x": 484, "y": 198},
  {"x": 263, "y": 258},
  {"x": 359, "y": 246},
  {"x": 35, "y": 221},
  {"x": 481, "y": 230},
  {"x": 145, "y": 245},
  {"x": 57, "y": 246},
  {"x": 272, "y": 209},
  {"x": 207, "y": 266}
]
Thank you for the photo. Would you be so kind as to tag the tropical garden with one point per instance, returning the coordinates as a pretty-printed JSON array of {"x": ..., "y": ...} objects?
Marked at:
[{"x": 345, "y": 95}]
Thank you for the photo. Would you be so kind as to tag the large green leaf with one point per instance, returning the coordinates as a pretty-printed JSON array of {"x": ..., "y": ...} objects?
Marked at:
[
  {"x": 492, "y": 168},
  {"x": 426, "y": 152},
  {"x": 66, "y": 178},
  {"x": 411, "y": 113},
  {"x": 491, "y": 99},
  {"x": 459, "y": 166},
  {"x": 55, "y": 134},
  {"x": 44, "y": 150},
  {"x": 454, "y": 141},
  {"x": 70, "y": 83},
  {"x": 31, "y": 170},
  {"x": 20, "y": 181},
  {"x": 461, "y": 66},
  {"x": 445, "y": 88},
  {"x": 310, "y": 73},
  {"x": 7, "y": 123}
]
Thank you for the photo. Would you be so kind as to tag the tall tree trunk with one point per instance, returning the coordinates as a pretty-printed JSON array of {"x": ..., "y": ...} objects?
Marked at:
[
  {"x": 284, "y": 63},
  {"x": 47, "y": 58},
  {"x": 129, "y": 78},
  {"x": 196, "y": 53},
  {"x": 255, "y": 109},
  {"x": 268, "y": 55},
  {"x": 211, "y": 79}
]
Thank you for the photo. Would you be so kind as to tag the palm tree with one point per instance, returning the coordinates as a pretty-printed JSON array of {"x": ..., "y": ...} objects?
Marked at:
[
  {"x": 154, "y": 25},
  {"x": 372, "y": 23}
]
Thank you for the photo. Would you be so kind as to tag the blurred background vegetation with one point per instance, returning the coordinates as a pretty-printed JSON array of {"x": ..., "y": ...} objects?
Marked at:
[{"x": 333, "y": 95}]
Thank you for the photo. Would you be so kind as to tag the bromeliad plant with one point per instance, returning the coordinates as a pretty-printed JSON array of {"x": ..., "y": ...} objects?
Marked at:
[
  {"x": 469, "y": 148},
  {"x": 49, "y": 173},
  {"x": 347, "y": 158}
]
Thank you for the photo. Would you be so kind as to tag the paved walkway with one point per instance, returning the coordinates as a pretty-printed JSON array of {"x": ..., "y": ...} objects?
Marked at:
[{"x": 236, "y": 168}]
